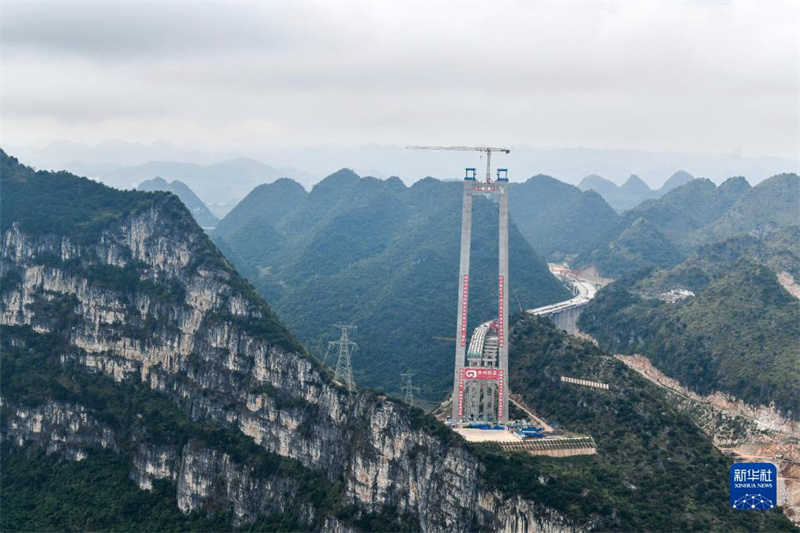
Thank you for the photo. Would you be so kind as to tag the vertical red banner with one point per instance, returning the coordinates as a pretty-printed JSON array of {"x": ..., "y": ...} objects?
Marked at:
[
  {"x": 500, "y": 394},
  {"x": 500, "y": 315},
  {"x": 460, "y": 393},
  {"x": 464, "y": 299}
]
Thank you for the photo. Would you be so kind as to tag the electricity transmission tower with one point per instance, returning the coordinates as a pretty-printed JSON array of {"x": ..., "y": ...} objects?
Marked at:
[
  {"x": 409, "y": 389},
  {"x": 345, "y": 348}
]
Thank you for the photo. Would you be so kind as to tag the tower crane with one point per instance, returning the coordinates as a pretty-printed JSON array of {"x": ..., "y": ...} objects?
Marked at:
[{"x": 487, "y": 149}]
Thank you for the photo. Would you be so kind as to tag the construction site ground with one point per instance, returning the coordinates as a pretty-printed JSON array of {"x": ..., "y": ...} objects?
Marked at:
[
  {"x": 557, "y": 443},
  {"x": 487, "y": 435}
]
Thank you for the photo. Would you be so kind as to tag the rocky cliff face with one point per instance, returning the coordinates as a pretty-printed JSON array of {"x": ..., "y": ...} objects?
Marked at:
[
  {"x": 152, "y": 300},
  {"x": 204, "y": 477},
  {"x": 58, "y": 428}
]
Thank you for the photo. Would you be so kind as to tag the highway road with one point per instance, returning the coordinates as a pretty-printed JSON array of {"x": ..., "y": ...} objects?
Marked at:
[{"x": 586, "y": 290}]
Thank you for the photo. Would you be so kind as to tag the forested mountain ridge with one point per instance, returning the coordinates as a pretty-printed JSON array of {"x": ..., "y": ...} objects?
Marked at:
[
  {"x": 692, "y": 215},
  {"x": 199, "y": 210},
  {"x": 680, "y": 213},
  {"x": 271, "y": 201},
  {"x": 633, "y": 192},
  {"x": 558, "y": 219},
  {"x": 738, "y": 334},
  {"x": 640, "y": 244},
  {"x": 644, "y": 445},
  {"x": 129, "y": 343},
  {"x": 772, "y": 204},
  {"x": 778, "y": 250},
  {"x": 383, "y": 256}
]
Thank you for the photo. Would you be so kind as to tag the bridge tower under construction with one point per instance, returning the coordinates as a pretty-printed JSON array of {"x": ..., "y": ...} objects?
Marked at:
[{"x": 480, "y": 386}]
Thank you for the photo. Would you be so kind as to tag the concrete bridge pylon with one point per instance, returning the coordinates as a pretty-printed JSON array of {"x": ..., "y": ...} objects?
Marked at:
[{"x": 480, "y": 381}]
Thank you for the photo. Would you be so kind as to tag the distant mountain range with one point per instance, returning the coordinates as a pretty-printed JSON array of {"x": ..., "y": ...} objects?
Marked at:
[
  {"x": 568, "y": 164},
  {"x": 633, "y": 192},
  {"x": 199, "y": 211},
  {"x": 219, "y": 185},
  {"x": 694, "y": 214},
  {"x": 566, "y": 224}
]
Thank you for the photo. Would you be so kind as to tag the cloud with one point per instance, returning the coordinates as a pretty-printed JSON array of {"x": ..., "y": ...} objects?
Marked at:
[{"x": 700, "y": 77}]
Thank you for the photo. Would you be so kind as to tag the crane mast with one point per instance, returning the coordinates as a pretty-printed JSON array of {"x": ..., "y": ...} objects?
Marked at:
[{"x": 487, "y": 149}]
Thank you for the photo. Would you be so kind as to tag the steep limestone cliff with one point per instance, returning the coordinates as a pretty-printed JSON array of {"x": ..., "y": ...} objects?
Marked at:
[{"x": 58, "y": 428}]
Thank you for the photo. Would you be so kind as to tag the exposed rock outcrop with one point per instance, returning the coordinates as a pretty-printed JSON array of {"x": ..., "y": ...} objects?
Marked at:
[
  {"x": 58, "y": 428},
  {"x": 152, "y": 300}
]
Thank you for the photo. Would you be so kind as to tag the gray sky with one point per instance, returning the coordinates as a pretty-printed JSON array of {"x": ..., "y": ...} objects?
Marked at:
[{"x": 702, "y": 77}]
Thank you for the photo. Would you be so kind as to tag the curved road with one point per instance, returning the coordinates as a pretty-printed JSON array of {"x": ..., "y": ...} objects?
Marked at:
[{"x": 586, "y": 291}]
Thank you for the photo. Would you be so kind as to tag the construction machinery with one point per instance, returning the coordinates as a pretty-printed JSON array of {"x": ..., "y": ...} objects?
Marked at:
[{"x": 486, "y": 149}]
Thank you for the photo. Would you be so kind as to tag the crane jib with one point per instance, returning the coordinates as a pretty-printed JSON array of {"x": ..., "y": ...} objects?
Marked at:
[{"x": 487, "y": 149}]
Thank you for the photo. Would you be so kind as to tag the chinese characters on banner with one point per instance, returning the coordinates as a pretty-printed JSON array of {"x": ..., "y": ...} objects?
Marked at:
[
  {"x": 500, "y": 393},
  {"x": 488, "y": 374},
  {"x": 500, "y": 317},
  {"x": 460, "y": 393},
  {"x": 464, "y": 298},
  {"x": 481, "y": 373}
]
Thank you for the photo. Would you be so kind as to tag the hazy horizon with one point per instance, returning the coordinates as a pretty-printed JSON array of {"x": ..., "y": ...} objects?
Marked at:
[
  {"x": 309, "y": 165},
  {"x": 261, "y": 78}
]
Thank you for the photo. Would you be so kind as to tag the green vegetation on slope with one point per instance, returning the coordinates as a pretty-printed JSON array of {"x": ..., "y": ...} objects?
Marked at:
[
  {"x": 270, "y": 202},
  {"x": 772, "y": 204},
  {"x": 684, "y": 214},
  {"x": 654, "y": 469},
  {"x": 692, "y": 215},
  {"x": 195, "y": 205},
  {"x": 48, "y": 204},
  {"x": 96, "y": 493},
  {"x": 739, "y": 334},
  {"x": 639, "y": 245},
  {"x": 43, "y": 493},
  {"x": 558, "y": 219},
  {"x": 778, "y": 250},
  {"x": 385, "y": 257},
  {"x": 75, "y": 207}
]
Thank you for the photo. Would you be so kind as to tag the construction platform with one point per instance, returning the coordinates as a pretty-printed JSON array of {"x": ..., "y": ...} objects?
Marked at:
[
  {"x": 556, "y": 443},
  {"x": 552, "y": 446},
  {"x": 487, "y": 435}
]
